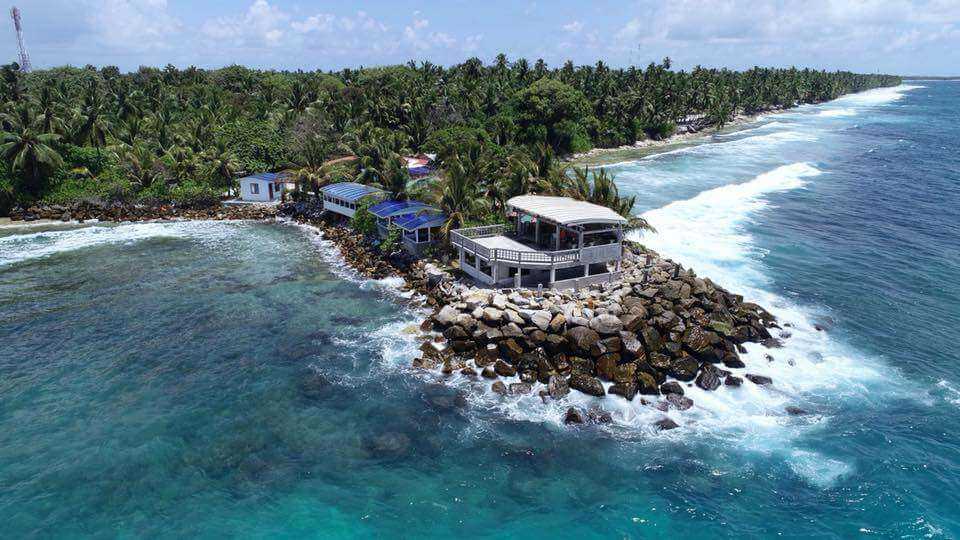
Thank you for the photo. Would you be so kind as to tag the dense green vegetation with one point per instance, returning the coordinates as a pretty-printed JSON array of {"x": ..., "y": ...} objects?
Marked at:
[{"x": 167, "y": 134}]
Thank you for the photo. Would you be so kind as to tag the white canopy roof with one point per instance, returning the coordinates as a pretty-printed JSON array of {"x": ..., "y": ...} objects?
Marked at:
[{"x": 564, "y": 210}]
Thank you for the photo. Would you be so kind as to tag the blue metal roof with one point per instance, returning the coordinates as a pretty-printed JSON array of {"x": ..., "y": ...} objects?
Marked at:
[
  {"x": 268, "y": 176},
  {"x": 349, "y": 191},
  {"x": 423, "y": 221},
  {"x": 395, "y": 208}
]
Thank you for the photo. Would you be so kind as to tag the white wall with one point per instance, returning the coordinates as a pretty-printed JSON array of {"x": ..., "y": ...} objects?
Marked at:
[{"x": 247, "y": 195}]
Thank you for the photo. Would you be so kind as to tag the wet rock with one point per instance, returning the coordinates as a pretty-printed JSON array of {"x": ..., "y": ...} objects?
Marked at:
[
  {"x": 732, "y": 380},
  {"x": 708, "y": 379},
  {"x": 647, "y": 385},
  {"x": 732, "y": 361},
  {"x": 558, "y": 387},
  {"x": 681, "y": 403},
  {"x": 520, "y": 388},
  {"x": 586, "y": 384},
  {"x": 665, "y": 424},
  {"x": 684, "y": 368},
  {"x": 627, "y": 390},
  {"x": 671, "y": 387},
  {"x": 499, "y": 388},
  {"x": 468, "y": 372},
  {"x": 391, "y": 444},
  {"x": 488, "y": 373},
  {"x": 504, "y": 369},
  {"x": 795, "y": 411},
  {"x": 314, "y": 386},
  {"x": 772, "y": 343},
  {"x": 761, "y": 380},
  {"x": 600, "y": 416},
  {"x": 573, "y": 416}
]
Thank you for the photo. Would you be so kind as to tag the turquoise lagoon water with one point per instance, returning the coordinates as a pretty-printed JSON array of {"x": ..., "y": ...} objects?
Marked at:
[{"x": 213, "y": 379}]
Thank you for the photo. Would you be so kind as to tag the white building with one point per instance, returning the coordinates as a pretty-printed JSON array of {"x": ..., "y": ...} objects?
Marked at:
[
  {"x": 556, "y": 242},
  {"x": 344, "y": 197},
  {"x": 261, "y": 187}
]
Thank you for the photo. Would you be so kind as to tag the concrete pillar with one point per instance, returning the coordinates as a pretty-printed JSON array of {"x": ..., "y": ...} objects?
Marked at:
[
  {"x": 517, "y": 279},
  {"x": 553, "y": 276}
]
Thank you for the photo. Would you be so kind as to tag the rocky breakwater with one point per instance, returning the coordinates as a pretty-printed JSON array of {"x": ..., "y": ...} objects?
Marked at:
[
  {"x": 647, "y": 337},
  {"x": 86, "y": 211},
  {"x": 360, "y": 252}
]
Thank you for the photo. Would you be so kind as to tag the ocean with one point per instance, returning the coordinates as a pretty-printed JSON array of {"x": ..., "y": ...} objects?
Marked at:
[{"x": 218, "y": 379}]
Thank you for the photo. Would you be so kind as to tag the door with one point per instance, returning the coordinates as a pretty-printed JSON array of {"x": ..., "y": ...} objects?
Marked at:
[{"x": 270, "y": 191}]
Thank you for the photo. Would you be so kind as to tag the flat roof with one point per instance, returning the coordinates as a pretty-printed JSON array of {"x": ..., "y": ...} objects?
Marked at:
[
  {"x": 349, "y": 191},
  {"x": 564, "y": 210},
  {"x": 502, "y": 242}
]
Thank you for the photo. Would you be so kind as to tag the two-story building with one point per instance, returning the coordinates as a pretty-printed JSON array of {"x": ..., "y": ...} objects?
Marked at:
[{"x": 555, "y": 242}]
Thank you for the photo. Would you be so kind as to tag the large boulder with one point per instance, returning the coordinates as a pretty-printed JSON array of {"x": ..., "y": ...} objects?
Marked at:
[
  {"x": 558, "y": 387},
  {"x": 446, "y": 316},
  {"x": 606, "y": 324},
  {"x": 541, "y": 319},
  {"x": 627, "y": 389},
  {"x": 504, "y": 369},
  {"x": 587, "y": 384},
  {"x": 708, "y": 379},
  {"x": 581, "y": 338},
  {"x": 684, "y": 368},
  {"x": 679, "y": 402},
  {"x": 492, "y": 315},
  {"x": 646, "y": 384},
  {"x": 761, "y": 380}
]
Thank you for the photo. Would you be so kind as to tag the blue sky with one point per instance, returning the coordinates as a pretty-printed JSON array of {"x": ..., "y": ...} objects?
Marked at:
[{"x": 892, "y": 36}]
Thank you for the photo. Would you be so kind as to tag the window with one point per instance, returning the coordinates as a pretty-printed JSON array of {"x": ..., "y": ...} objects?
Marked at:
[{"x": 254, "y": 189}]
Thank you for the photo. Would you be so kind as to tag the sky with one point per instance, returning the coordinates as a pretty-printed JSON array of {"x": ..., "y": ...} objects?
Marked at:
[{"x": 919, "y": 37}]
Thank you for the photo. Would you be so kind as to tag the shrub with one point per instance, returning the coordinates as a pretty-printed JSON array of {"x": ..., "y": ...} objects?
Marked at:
[
  {"x": 391, "y": 243},
  {"x": 192, "y": 194},
  {"x": 363, "y": 221}
]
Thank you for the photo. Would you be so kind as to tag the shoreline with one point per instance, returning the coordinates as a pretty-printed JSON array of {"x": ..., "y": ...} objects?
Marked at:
[
  {"x": 643, "y": 338},
  {"x": 599, "y": 157}
]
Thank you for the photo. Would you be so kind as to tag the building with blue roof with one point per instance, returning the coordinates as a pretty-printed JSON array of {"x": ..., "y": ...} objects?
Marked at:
[
  {"x": 262, "y": 187},
  {"x": 344, "y": 197},
  {"x": 420, "y": 230}
]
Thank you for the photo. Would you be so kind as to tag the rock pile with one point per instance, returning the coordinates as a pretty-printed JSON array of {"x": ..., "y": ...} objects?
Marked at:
[
  {"x": 85, "y": 211},
  {"x": 659, "y": 328}
]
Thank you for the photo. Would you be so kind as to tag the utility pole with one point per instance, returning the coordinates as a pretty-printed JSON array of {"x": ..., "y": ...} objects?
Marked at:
[{"x": 24, "y": 59}]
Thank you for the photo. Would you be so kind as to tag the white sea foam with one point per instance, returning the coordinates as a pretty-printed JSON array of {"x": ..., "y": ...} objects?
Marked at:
[
  {"x": 22, "y": 247},
  {"x": 950, "y": 393},
  {"x": 330, "y": 253},
  {"x": 707, "y": 233},
  {"x": 834, "y": 113},
  {"x": 877, "y": 96}
]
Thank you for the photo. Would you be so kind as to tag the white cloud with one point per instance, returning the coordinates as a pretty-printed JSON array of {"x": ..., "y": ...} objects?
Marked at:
[
  {"x": 262, "y": 23},
  {"x": 574, "y": 27},
  {"x": 132, "y": 24}
]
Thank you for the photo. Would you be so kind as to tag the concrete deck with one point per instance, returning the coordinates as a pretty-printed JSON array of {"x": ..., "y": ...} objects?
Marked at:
[{"x": 502, "y": 242}]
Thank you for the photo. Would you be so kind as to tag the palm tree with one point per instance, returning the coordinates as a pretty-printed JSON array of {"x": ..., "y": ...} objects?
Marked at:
[
  {"x": 142, "y": 166},
  {"x": 222, "y": 164},
  {"x": 600, "y": 188},
  {"x": 458, "y": 195},
  {"x": 31, "y": 154}
]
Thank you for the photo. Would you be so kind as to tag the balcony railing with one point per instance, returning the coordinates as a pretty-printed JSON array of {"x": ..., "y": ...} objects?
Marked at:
[{"x": 465, "y": 239}]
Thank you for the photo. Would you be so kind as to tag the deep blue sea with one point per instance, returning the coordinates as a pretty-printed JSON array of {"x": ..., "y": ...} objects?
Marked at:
[{"x": 212, "y": 379}]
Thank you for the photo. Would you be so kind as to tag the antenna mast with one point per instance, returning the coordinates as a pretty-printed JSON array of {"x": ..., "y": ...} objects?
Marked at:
[{"x": 24, "y": 59}]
